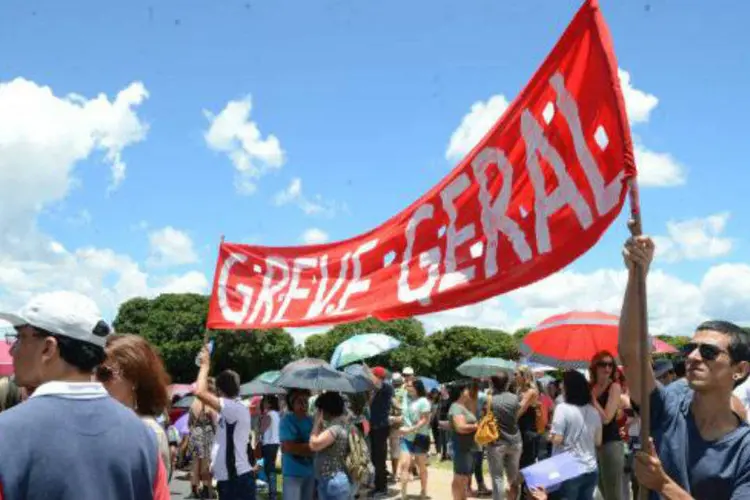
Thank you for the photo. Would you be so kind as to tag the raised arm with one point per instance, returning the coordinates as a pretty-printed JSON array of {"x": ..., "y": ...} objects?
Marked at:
[
  {"x": 638, "y": 254},
  {"x": 201, "y": 390}
]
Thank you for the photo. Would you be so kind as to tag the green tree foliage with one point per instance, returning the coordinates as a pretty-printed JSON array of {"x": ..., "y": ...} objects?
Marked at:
[
  {"x": 457, "y": 344},
  {"x": 175, "y": 324}
]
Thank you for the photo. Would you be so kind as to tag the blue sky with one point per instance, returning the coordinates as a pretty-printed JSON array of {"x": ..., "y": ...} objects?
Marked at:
[{"x": 358, "y": 101}]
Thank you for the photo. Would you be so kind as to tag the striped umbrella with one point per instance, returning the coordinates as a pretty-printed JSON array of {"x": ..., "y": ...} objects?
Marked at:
[
  {"x": 360, "y": 347},
  {"x": 570, "y": 340}
]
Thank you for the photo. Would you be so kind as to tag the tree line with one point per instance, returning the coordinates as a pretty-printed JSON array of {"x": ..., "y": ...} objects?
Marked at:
[{"x": 175, "y": 324}]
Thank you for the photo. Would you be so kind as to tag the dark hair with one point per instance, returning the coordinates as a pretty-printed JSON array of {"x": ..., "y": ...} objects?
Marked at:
[
  {"x": 419, "y": 388},
  {"x": 739, "y": 342},
  {"x": 458, "y": 388},
  {"x": 84, "y": 356},
  {"x": 271, "y": 401},
  {"x": 293, "y": 393},
  {"x": 141, "y": 365},
  {"x": 331, "y": 404},
  {"x": 500, "y": 382},
  {"x": 679, "y": 368},
  {"x": 228, "y": 382},
  {"x": 576, "y": 388}
]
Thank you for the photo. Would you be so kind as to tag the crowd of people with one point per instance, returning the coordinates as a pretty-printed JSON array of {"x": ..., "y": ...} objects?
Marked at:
[{"x": 85, "y": 418}]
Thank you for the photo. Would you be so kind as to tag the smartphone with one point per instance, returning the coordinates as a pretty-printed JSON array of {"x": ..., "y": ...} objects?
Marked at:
[{"x": 210, "y": 351}]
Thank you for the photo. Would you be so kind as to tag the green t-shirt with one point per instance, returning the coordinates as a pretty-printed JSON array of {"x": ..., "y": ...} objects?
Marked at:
[
  {"x": 464, "y": 442},
  {"x": 415, "y": 410}
]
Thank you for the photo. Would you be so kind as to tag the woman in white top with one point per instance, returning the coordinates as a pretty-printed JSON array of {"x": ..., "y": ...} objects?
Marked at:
[
  {"x": 577, "y": 428},
  {"x": 269, "y": 428}
]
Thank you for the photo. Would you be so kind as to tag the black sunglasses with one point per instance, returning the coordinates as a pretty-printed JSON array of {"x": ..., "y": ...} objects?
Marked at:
[
  {"x": 605, "y": 364},
  {"x": 708, "y": 352}
]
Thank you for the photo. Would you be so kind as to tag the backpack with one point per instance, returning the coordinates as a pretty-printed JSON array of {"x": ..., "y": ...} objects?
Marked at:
[
  {"x": 358, "y": 465},
  {"x": 487, "y": 432}
]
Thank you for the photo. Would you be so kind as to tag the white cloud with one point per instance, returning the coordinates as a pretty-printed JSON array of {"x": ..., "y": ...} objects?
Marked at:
[
  {"x": 487, "y": 314},
  {"x": 657, "y": 169},
  {"x": 639, "y": 104},
  {"x": 475, "y": 125},
  {"x": 232, "y": 132},
  {"x": 170, "y": 247},
  {"x": 293, "y": 194},
  {"x": 726, "y": 288},
  {"x": 314, "y": 236},
  {"x": 43, "y": 136},
  {"x": 693, "y": 239}
]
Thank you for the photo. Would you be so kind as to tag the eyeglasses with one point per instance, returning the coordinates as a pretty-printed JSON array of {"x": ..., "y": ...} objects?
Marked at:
[
  {"x": 708, "y": 352},
  {"x": 605, "y": 364},
  {"x": 11, "y": 338},
  {"x": 106, "y": 373}
]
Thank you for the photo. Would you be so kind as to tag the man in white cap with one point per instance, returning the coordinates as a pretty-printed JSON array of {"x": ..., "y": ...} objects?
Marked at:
[{"x": 70, "y": 440}]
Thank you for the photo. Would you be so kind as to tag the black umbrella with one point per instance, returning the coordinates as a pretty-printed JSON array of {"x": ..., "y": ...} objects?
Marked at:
[
  {"x": 260, "y": 388},
  {"x": 362, "y": 377},
  {"x": 319, "y": 378}
]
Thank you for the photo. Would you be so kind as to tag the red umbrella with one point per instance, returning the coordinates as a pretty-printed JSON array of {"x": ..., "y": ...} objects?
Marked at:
[
  {"x": 6, "y": 360},
  {"x": 661, "y": 347},
  {"x": 570, "y": 340}
]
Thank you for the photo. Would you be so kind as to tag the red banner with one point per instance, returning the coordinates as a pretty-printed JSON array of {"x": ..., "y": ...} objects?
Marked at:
[{"x": 537, "y": 191}]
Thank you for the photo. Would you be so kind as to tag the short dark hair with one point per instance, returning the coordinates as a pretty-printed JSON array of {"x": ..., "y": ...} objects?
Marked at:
[
  {"x": 272, "y": 402},
  {"x": 500, "y": 381},
  {"x": 84, "y": 356},
  {"x": 331, "y": 404},
  {"x": 419, "y": 387},
  {"x": 679, "y": 368},
  {"x": 457, "y": 388},
  {"x": 739, "y": 341},
  {"x": 576, "y": 388},
  {"x": 293, "y": 393},
  {"x": 228, "y": 382}
]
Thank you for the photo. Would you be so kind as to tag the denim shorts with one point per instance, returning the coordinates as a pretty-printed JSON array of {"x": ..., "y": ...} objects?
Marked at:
[
  {"x": 420, "y": 445},
  {"x": 463, "y": 462}
]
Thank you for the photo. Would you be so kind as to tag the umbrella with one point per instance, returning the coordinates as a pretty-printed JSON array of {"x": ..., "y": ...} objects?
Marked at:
[
  {"x": 6, "y": 360},
  {"x": 319, "y": 378},
  {"x": 268, "y": 377},
  {"x": 180, "y": 390},
  {"x": 362, "y": 375},
  {"x": 361, "y": 347},
  {"x": 259, "y": 388},
  {"x": 661, "y": 347},
  {"x": 570, "y": 340},
  {"x": 303, "y": 363},
  {"x": 430, "y": 384},
  {"x": 182, "y": 425},
  {"x": 537, "y": 368},
  {"x": 485, "y": 367},
  {"x": 185, "y": 402}
]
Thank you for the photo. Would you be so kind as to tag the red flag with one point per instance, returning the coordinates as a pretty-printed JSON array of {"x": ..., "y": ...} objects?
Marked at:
[{"x": 537, "y": 191}]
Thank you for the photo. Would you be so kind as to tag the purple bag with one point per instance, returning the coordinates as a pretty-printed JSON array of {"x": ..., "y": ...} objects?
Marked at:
[{"x": 552, "y": 472}]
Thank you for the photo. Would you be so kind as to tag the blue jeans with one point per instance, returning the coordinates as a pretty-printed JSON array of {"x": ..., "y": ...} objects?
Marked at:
[
  {"x": 581, "y": 487},
  {"x": 336, "y": 487},
  {"x": 270, "y": 451},
  {"x": 240, "y": 488},
  {"x": 298, "y": 488}
]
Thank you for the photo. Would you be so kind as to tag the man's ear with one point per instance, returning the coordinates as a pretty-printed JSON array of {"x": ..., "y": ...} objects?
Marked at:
[
  {"x": 50, "y": 350},
  {"x": 741, "y": 370}
]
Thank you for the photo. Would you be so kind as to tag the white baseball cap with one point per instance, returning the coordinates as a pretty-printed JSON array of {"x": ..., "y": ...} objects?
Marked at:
[
  {"x": 408, "y": 371},
  {"x": 68, "y": 314}
]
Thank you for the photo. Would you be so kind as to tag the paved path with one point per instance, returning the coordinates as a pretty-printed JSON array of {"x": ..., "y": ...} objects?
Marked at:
[{"x": 439, "y": 481}]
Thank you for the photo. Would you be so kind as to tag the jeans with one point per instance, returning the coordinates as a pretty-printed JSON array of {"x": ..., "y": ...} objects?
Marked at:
[
  {"x": 581, "y": 487},
  {"x": 336, "y": 487},
  {"x": 270, "y": 451},
  {"x": 298, "y": 488},
  {"x": 379, "y": 451},
  {"x": 241, "y": 487},
  {"x": 478, "y": 476},
  {"x": 503, "y": 460},
  {"x": 611, "y": 458}
]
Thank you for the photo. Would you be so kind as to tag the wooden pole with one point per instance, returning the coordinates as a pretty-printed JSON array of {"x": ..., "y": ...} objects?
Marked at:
[
  {"x": 206, "y": 333},
  {"x": 636, "y": 229}
]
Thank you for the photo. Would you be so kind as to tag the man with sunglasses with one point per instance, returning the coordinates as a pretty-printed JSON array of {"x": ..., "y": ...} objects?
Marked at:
[
  {"x": 70, "y": 440},
  {"x": 701, "y": 448}
]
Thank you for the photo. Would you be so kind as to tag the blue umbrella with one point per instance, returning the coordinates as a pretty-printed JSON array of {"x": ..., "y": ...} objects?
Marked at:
[
  {"x": 362, "y": 376},
  {"x": 430, "y": 384},
  {"x": 320, "y": 378}
]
